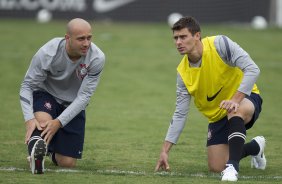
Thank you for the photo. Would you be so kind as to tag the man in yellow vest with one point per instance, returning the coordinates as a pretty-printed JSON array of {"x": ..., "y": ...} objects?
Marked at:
[{"x": 221, "y": 77}]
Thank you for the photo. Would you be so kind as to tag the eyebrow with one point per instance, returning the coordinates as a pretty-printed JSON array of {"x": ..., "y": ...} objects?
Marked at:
[
  {"x": 83, "y": 37},
  {"x": 181, "y": 36}
]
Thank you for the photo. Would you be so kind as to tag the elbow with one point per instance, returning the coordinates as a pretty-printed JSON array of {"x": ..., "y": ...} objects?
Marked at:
[{"x": 258, "y": 71}]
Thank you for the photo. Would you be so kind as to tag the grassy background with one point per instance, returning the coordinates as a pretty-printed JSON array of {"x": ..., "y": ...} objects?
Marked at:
[{"x": 129, "y": 114}]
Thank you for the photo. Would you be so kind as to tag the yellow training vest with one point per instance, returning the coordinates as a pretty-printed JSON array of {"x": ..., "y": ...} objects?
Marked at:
[{"x": 212, "y": 82}]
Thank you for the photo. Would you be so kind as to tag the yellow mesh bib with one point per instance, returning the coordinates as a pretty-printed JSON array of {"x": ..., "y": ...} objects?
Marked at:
[{"x": 212, "y": 82}]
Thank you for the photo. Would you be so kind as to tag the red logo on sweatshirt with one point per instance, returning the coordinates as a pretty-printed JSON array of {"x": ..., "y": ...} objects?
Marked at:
[{"x": 82, "y": 71}]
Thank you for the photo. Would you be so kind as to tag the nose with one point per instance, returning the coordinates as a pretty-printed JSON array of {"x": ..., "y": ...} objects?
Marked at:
[
  {"x": 86, "y": 42},
  {"x": 177, "y": 41}
]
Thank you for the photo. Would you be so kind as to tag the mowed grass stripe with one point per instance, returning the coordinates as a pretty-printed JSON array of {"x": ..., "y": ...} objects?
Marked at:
[{"x": 143, "y": 173}]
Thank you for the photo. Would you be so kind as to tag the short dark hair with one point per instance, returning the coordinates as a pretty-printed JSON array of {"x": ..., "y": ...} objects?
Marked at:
[{"x": 187, "y": 22}]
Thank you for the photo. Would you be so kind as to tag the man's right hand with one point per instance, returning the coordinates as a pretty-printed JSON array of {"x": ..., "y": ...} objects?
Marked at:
[
  {"x": 162, "y": 162},
  {"x": 30, "y": 126}
]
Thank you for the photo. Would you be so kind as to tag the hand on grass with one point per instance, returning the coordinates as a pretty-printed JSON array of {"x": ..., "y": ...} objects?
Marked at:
[{"x": 162, "y": 162}]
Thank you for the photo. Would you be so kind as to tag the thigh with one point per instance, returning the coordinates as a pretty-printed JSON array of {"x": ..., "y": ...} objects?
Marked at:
[
  {"x": 69, "y": 140},
  {"x": 45, "y": 107},
  {"x": 218, "y": 155},
  {"x": 249, "y": 109},
  {"x": 42, "y": 117},
  {"x": 218, "y": 132},
  {"x": 257, "y": 101},
  {"x": 245, "y": 111}
]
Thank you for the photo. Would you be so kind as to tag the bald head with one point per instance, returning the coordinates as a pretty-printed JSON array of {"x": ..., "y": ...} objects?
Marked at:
[
  {"x": 77, "y": 25},
  {"x": 78, "y": 38}
]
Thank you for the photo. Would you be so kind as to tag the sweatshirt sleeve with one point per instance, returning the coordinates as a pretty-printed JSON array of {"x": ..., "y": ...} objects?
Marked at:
[
  {"x": 233, "y": 55},
  {"x": 87, "y": 88},
  {"x": 179, "y": 117},
  {"x": 34, "y": 77}
]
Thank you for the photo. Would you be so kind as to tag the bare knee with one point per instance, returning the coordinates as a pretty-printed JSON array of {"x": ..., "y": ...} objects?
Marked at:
[
  {"x": 245, "y": 111},
  {"x": 217, "y": 157},
  {"x": 216, "y": 167},
  {"x": 65, "y": 161}
]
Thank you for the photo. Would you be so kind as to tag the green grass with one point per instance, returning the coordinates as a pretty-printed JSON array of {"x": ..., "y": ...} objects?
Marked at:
[{"x": 129, "y": 114}]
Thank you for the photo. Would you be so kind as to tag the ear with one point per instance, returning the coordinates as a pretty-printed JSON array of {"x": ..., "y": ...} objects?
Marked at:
[
  {"x": 67, "y": 36},
  {"x": 198, "y": 35}
]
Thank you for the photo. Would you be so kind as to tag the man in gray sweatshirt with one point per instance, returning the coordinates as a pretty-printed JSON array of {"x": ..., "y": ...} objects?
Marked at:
[{"x": 56, "y": 89}]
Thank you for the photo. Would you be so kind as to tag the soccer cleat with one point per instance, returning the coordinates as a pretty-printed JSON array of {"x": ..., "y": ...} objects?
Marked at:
[
  {"x": 259, "y": 161},
  {"x": 37, "y": 157},
  {"x": 229, "y": 173}
]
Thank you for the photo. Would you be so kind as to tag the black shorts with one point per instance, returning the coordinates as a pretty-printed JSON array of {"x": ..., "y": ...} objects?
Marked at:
[
  {"x": 218, "y": 131},
  {"x": 68, "y": 141}
]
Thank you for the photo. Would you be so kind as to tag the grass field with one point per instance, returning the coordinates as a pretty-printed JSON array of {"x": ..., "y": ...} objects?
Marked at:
[{"x": 129, "y": 114}]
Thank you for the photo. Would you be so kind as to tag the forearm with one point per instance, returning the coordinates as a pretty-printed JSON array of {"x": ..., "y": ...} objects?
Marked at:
[
  {"x": 26, "y": 101},
  {"x": 181, "y": 112},
  {"x": 167, "y": 146},
  {"x": 71, "y": 111},
  {"x": 179, "y": 118},
  {"x": 175, "y": 129},
  {"x": 84, "y": 94},
  {"x": 33, "y": 79},
  {"x": 238, "y": 97}
]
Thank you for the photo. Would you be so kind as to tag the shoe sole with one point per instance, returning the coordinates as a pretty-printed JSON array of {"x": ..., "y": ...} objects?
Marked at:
[
  {"x": 229, "y": 179},
  {"x": 37, "y": 157}
]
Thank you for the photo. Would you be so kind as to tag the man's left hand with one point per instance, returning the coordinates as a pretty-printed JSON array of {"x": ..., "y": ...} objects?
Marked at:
[
  {"x": 229, "y": 105},
  {"x": 52, "y": 126}
]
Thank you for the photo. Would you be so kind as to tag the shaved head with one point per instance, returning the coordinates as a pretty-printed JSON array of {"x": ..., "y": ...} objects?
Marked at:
[
  {"x": 78, "y": 38},
  {"x": 77, "y": 24}
]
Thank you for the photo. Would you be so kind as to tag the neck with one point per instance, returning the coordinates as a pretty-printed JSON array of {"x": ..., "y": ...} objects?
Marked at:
[
  {"x": 74, "y": 58},
  {"x": 71, "y": 56},
  {"x": 196, "y": 55},
  {"x": 194, "y": 59}
]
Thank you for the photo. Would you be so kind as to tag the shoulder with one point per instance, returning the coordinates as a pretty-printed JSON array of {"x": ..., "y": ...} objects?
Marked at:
[
  {"x": 222, "y": 41},
  {"x": 225, "y": 46},
  {"x": 52, "y": 46},
  {"x": 45, "y": 54},
  {"x": 96, "y": 54}
]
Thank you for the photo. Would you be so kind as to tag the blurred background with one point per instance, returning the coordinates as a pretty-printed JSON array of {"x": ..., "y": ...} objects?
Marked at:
[
  {"x": 130, "y": 112},
  {"x": 206, "y": 11}
]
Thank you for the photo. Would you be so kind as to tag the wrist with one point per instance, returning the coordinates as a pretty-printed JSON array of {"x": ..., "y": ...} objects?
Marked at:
[
  {"x": 238, "y": 97},
  {"x": 59, "y": 123},
  {"x": 166, "y": 147}
]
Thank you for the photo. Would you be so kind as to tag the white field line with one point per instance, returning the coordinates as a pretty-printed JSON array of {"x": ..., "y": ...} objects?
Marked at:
[{"x": 141, "y": 173}]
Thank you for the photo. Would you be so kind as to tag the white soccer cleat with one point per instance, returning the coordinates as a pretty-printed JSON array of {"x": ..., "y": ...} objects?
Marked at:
[
  {"x": 38, "y": 153},
  {"x": 259, "y": 161},
  {"x": 229, "y": 173}
]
